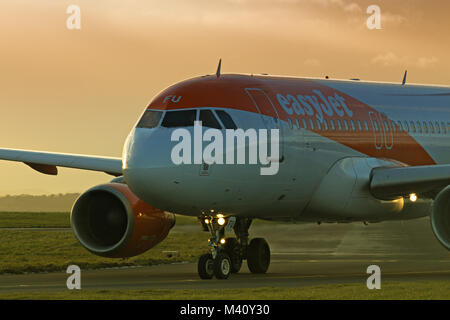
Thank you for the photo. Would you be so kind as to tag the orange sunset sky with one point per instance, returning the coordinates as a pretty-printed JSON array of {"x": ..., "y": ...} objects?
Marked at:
[{"x": 81, "y": 91}]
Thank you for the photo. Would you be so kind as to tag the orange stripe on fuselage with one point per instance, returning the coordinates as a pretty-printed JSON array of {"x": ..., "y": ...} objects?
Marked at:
[{"x": 228, "y": 91}]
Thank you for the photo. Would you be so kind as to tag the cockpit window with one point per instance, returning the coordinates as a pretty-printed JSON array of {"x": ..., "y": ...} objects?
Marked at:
[
  {"x": 226, "y": 119},
  {"x": 184, "y": 118},
  {"x": 150, "y": 119},
  {"x": 209, "y": 120}
]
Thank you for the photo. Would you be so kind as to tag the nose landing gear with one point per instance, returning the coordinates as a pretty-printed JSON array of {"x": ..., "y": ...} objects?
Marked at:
[{"x": 227, "y": 254}]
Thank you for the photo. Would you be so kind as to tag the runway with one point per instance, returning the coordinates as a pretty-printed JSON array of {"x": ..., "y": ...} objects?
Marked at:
[{"x": 302, "y": 255}]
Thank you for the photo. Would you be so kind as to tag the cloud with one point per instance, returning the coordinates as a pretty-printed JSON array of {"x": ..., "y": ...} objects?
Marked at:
[
  {"x": 348, "y": 6},
  {"x": 343, "y": 4},
  {"x": 387, "y": 59},
  {"x": 424, "y": 62},
  {"x": 391, "y": 18},
  {"x": 390, "y": 59},
  {"x": 352, "y": 7}
]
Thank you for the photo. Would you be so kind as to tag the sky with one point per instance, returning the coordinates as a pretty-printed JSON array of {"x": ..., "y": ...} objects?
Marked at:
[{"x": 82, "y": 90}]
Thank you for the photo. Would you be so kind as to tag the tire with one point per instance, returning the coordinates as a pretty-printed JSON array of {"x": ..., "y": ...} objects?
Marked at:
[
  {"x": 206, "y": 266},
  {"x": 231, "y": 247},
  {"x": 258, "y": 256},
  {"x": 222, "y": 266}
]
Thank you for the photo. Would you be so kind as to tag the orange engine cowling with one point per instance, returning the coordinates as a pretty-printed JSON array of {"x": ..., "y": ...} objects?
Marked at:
[{"x": 110, "y": 221}]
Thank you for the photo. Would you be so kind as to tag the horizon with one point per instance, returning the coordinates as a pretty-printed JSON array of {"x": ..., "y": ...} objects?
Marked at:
[{"x": 39, "y": 195}]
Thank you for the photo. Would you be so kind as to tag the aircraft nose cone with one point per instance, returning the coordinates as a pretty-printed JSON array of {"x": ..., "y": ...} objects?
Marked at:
[
  {"x": 149, "y": 171},
  {"x": 147, "y": 148}
]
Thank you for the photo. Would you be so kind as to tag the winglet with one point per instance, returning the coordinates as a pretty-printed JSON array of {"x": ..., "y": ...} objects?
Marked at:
[
  {"x": 404, "y": 78},
  {"x": 218, "y": 68}
]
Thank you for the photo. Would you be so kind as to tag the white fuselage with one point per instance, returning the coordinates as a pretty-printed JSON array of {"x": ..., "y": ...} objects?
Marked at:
[{"x": 324, "y": 168}]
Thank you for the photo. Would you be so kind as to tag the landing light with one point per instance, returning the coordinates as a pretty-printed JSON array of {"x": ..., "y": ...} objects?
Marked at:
[
  {"x": 413, "y": 197},
  {"x": 206, "y": 221},
  {"x": 221, "y": 221},
  {"x": 222, "y": 241}
]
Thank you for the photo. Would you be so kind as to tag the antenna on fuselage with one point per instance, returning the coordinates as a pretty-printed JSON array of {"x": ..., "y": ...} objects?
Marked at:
[
  {"x": 404, "y": 77},
  {"x": 218, "y": 68}
]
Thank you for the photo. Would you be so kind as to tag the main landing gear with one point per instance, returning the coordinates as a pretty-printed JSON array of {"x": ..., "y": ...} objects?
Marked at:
[{"x": 227, "y": 254}]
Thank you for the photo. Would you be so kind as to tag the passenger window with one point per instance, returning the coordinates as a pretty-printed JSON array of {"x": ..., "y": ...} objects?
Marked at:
[
  {"x": 226, "y": 119},
  {"x": 319, "y": 126},
  {"x": 311, "y": 123},
  {"x": 419, "y": 128},
  {"x": 339, "y": 124},
  {"x": 305, "y": 126},
  {"x": 185, "y": 118},
  {"x": 425, "y": 127},
  {"x": 150, "y": 119},
  {"x": 400, "y": 128},
  {"x": 375, "y": 125},
  {"x": 438, "y": 129},
  {"x": 443, "y": 128},
  {"x": 353, "y": 125},
  {"x": 290, "y": 124},
  {"x": 345, "y": 125},
  {"x": 359, "y": 125},
  {"x": 405, "y": 123},
  {"x": 431, "y": 127},
  {"x": 413, "y": 127},
  {"x": 325, "y": 125},
  {"x": 332, "y": 125},
  {"x": 366, "y": 125},
  {"x": 386, "y": 126},
  {"x": 209, "y": 120},
  {"x": 297, "y": 125}
]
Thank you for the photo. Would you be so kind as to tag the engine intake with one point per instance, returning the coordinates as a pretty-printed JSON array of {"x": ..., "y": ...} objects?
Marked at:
[
  {"x": 440, "y": 217},
  {"x": 110, "y": 221}
]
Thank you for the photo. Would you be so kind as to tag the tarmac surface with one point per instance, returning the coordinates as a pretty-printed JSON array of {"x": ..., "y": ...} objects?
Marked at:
[{"x": 302, "y": 255}]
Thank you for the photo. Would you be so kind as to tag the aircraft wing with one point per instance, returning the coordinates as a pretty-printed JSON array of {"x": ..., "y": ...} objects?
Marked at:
[
  {"x": 47, "y": 162},
  {"x": 388, "y": 183}
]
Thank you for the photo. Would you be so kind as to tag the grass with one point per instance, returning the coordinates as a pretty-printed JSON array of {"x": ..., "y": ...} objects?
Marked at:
[
  {"x": 23, "y": 251},
  {"x": 418, "y": 290},
  {"x": 56, "y": 220},
  {"x": 34, "y": 220},
  {"x": 62, "y": 220},
  {"x": 49, "y": 251}
]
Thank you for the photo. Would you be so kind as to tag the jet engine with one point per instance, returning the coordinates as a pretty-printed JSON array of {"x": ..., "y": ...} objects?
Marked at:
[
  {"x": 346, "y": 188},
  {"x": 440, "y": 217},
  {"x": 110, "y": 221}
]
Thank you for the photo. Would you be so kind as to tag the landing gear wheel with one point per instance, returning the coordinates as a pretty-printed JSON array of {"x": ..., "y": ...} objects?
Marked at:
[
  {"x": 206, "y": 266},
  {"x": 232, "y": 248},
  {"x": 222, "y": 266},
  {"x": 258, "y": 255}
]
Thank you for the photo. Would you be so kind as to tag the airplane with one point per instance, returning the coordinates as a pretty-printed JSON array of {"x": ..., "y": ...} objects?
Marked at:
[{"x": 349, "y": 151}]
